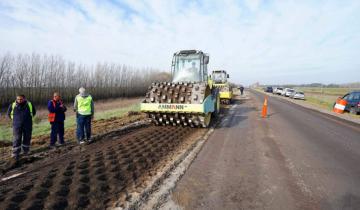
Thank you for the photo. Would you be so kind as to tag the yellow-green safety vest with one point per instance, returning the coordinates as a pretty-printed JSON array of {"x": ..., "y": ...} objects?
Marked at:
[
  {"x": 84, "y": 105},
  {"x": 13, "y": 107}
]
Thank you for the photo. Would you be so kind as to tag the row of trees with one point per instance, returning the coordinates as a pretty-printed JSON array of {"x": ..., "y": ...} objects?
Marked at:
[{"x": 38, "y": 76}]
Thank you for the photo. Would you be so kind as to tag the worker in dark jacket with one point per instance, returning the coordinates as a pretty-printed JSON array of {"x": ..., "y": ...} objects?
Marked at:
[
  {"x": 242, "y": 90},
  {"x": 84, "y": 108},
  {"x": 21, "y": 112},
  {"x": 56, "y": 118}
]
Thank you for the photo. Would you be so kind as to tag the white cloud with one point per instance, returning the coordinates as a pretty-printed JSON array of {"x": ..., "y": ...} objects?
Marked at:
[
  {"x": 280, "y": 41},
  {"x": 253, "y": 5}
]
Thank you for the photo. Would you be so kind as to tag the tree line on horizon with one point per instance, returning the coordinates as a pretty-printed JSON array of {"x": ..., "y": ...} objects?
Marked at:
[{"x": 38, "y": 76}]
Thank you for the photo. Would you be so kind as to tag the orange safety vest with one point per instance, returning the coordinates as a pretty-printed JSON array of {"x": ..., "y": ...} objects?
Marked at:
[{"x": 51, "y": 115}]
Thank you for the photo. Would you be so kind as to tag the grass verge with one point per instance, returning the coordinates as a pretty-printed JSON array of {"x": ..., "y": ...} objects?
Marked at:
[{"x": 322, "y": 103}]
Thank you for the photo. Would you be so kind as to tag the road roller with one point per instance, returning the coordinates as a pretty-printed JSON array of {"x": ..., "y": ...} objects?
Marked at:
[
  {"x": 188, "y": 99},
  {"x": 219, "y": 80}
]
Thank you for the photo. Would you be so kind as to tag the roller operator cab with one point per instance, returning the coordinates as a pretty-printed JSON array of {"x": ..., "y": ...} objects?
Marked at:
[
  {"x": 219, "y": 80},
  {"x": 189, "y": 99}
]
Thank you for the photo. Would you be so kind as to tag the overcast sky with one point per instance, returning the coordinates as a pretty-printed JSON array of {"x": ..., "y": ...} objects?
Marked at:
[{"x": 254, "y": 40}]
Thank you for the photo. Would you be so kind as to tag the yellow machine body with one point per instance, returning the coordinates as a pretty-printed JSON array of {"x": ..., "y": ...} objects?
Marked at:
[
  {"x": 219, "y": 80},
  {"x": 189, "y": 100}
]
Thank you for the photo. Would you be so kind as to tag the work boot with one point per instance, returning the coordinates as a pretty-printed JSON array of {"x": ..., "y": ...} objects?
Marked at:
[
  {"x": 52, "y": 146},
  {"x": 15, "y": 157},
  {"x": 26, "y": 154}
]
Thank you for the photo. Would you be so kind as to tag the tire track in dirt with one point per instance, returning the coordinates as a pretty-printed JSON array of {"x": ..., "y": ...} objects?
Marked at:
[{"x": 98, "y": 175}]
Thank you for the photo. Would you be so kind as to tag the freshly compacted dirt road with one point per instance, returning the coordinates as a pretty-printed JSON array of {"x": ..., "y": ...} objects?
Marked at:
[{"x": 294, "y": 159}]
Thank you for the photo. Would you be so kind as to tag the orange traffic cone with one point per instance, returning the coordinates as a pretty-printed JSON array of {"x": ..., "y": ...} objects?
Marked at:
[{"x": 264, "y": 109}]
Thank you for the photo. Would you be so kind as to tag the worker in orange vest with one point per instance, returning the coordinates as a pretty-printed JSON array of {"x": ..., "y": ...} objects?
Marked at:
[{"x": 56, "y": 118}]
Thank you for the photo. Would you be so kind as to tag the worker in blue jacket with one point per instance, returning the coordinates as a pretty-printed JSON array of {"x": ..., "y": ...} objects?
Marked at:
[
  {"x": 56, "y": 118},
  {"x": 21, "y": 112}
]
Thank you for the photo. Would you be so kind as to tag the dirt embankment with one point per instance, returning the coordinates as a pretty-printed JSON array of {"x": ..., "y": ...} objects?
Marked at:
[
  {"x": 40, "y": 143},
  {"x": 98, "y": 126}
]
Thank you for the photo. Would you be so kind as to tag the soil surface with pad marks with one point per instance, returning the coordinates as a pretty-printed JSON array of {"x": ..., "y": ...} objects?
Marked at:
[{"x": 110, "y": 171}]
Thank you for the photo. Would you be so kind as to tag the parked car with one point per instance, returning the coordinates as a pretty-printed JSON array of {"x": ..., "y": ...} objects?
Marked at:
[
  {"x": 353, "y": 102},
  {"x": 274, "y": 90},
  {"x": 292, "y": 94},
  {"x": 288, "y": 92},
  {"x": 269, "y": 89},
  {"x": 278, "y": 90},
  {"x": 284, "y": 91},
  {"x": 298, "y": 95}
]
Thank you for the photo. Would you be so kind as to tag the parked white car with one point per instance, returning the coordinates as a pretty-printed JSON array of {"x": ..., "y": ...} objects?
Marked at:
[
  {"x": 283, "y": 91},
  {"x": 288, "y": 92},
  {"x": 299, "y": 95},
  {"x": 292, "y": 94},
  {"x": 278, "y": 90}
]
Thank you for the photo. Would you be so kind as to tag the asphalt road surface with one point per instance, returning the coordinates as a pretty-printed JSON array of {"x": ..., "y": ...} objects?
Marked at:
[{"x": 294, "y": 159}]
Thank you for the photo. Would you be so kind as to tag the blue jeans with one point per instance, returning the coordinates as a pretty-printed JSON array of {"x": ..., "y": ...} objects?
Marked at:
[
  {"x": 83, "y": 123},
  {"x": 57, "y": 128}
]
